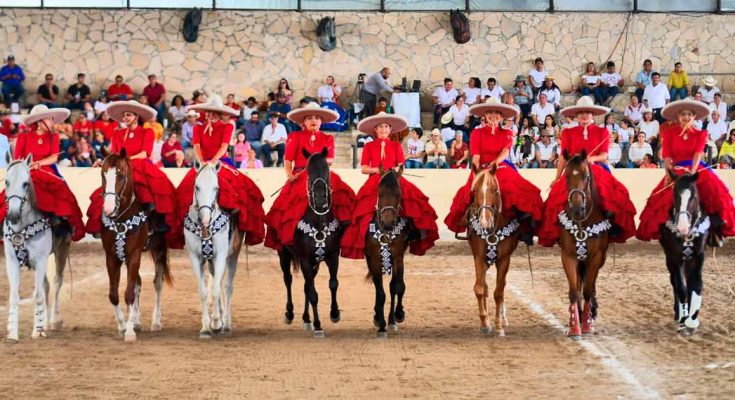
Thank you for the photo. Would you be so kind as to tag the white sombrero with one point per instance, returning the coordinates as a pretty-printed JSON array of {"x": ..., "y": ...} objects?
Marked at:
[
  {"x": 117, "y": 108},
  {"x": 396, "y": 122},
  {"x": 700, "y": 109},
  {"x": 709, "y": 81},
  {"x": 215, "y": 104},
  {"x": 492, "y": 104},
  {"x": 40, "y": 112},
  {"x": 298, "y": 115},
  {"x": 584, "y": 104}
]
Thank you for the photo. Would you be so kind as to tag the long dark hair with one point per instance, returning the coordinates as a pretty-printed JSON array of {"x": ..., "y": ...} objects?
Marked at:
[
  {"x": 477, "y": 82},
  {"x": 278, "y": 85}
]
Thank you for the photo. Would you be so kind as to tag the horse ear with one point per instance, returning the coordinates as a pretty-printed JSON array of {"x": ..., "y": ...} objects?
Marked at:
[
  {"x": 197, "y": 165},
  {"x": 583, "y": 154},
  {"x": 123, "y": 153},
  {"x": 305, "y": 153},
  {"x": 400, "y": 170},
  {"x": 672, "y": 175},
  {"x": 324, "y": 151},
  {"x": 218, "y": 166},
  {"x": 8, "y": 157},
  {"x": 475, "y": 169},
  {"x": 565, "y": 154},
  {"x": 493, "y": 169},
  {"x": 29, "y": 159},
  {"x": 380, "y": 170}
]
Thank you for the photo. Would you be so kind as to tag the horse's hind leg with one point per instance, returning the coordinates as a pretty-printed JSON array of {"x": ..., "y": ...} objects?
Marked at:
[
  {"x": 333, "y": 265},
  {"x": 379, "y": 318},
  {"x": 39, "y": 299},
  {"x": 231, "y": 265},
  {"x": 502, "y": 265},
  {"x": 400, "y": 314},
  {"x": 694, "y": 287},
  {"x": 392, "y": 287},
  {"x": 62, "y": 244},
  {"x": 312, "y": 296},
  {"x": 159, "y": 253},
  {"x": 681, "y": 306},
  {"x": 284, "y": 258},
  {"x": 137, "y": 326},
  {"x": 589, "y": 292}
]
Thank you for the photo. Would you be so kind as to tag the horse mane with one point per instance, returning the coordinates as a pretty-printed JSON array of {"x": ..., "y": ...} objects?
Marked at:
[
  {"x": 317, "y": 165},
  {"x": 479, "y": 177},
  {"x": 326, "y": 32},
  {"x": 390, "y": 180}
]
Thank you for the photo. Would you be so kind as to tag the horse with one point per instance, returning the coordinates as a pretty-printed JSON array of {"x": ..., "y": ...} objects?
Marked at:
[
  {"x": 212, "y": 240},
  {"x": 683, "y": 238},
  {"x": 493, "y": 238},
  {"x": 192, "y": 20},
  {"x": 29, "y": 241},
  {"x": 386, "y": 242},
  {"x": 326, "y": 33},
  {"x": 584, "y": 240},
  {"x": 317, "y": 238},
  {"x": 126, "y": 233}
]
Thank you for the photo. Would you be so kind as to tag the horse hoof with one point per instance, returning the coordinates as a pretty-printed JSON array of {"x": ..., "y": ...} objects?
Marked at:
[
  {"x": 205, "y": 335},
  {"x": 335, "y": 318},
  {"x": 319, "y": 334},
  {"x": 308, "y": 326},
  {"x": 575, "y": 338},
  {"x": 38, "y": 334},
  {"x": 382, "y": 335},
  {"x": 393, "y": 327},
  {"x": 287, "y": 320},
  {"x": 376, "y": 324},
  {"x": 156, "y": 327},
  {"x": 138, "y": 328},
  {"x": 130, "y": 338},
  {"x": 400, "y": 317},
  {"x": 687, "y": 331},
  {"x": 501, "y": 332},
  {"x": 56, "y": 326},
  {"x": 486, "y": 330},
  {"x": 12, "y": 339},
  {"x": 226, "y": 332}
]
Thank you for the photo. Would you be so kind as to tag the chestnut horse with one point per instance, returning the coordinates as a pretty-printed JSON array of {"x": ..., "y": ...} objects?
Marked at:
[
  {"x": 125, "y": 235},
  {"x": 493, "y": 238},
  {"x": 583, "y": 240}
]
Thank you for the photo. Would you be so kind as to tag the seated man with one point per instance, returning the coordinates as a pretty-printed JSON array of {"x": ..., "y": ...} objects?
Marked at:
[
  {"x": 253, "y": 129},
  {"x": 546, "y": 152},
  {"x": 78, "y": 94},
  {"x": 119, "y": 90},
  {"x": 48, "y": 93},
  {"x": 282, "y": 108},
  {"x": 443, "y": 98},
  {"x": 274, "y": 139},
  {"x": 611, "y": 84},
  {"x": 12, "y": 77}
]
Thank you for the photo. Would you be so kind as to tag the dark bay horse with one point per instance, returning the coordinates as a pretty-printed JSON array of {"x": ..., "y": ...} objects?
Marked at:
[
  {"x": 493, "y": 238},
  {"x": 317, "y": 238},
  {"x": 583, "y": 240},
  {"x": 125, "y": 235},
  {"x": 683, "y": 238},
  {"x": 386, "y": 242}
]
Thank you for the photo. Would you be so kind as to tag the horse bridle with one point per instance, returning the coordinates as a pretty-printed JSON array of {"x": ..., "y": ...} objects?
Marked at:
[
  {"x": 693, "y": 223},
  {"x": 310, "y": 198},
  {"x": 475, "y": 212},
  {"x": 24, "y": 198},
  {"x": 582, "y": 192},
  {"x": 119, "y": 198}
]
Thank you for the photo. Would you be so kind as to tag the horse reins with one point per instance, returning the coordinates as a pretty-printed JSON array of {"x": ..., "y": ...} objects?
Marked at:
[{"x": 310, "y": 197}]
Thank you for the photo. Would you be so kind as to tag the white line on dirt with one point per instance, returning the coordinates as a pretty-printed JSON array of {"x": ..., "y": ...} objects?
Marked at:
[{"x": 607, "y": 359}]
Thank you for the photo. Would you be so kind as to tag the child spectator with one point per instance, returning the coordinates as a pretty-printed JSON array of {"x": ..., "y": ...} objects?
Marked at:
[
  {"x": 242, "y": 148},
  {"x": 415, "y": 150},
  {"x": 251, "y": 162}
]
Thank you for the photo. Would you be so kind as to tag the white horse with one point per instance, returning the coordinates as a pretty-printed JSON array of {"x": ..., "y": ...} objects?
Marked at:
[
  {"x": 29, "y": 240},
  {"x": 212, "y": 240}
]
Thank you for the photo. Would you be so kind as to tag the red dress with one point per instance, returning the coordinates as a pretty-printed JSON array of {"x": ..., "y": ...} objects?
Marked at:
[
  {"x": 151, "y": 185},
  {"x": 291, "y": 203},
  {"x": 714, "y": 195},
  {"x": 612, "y": 194},
  {"x": 53, "y": 195},
  {"x": 414, "y": 204},
  {"x": 236, "y": 190},
  {"x": 516, "y": 192}
]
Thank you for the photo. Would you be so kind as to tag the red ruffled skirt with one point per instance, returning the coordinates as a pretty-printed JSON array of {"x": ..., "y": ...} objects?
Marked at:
[
  {"x": 291, "y": 203},
  {"x": 615, "y": 200},
  {"x": 53, "y": 196},
  {"x": 151, "y": 185},
  {"x": 515, "y": 191},
  {"x": 713, "y": 195},
  {"x": 236, "y": 192},
  {"x": 414, "y": 205}
]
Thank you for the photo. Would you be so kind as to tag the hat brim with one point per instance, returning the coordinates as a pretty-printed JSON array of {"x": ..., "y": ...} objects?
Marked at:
[
  {"x": 57, "y": 114},
  {"x": 505, "y": 110},
  {"x": 396, "y": 122},
  {"x": 572, "y": 111},
  {"x": 447, "y": 117},
  {"x": 206, "y": 107},
  {"x": 299, "y": 115},
  {"x": 116, "y": 109},
  {"x": 671, "y": 110}
]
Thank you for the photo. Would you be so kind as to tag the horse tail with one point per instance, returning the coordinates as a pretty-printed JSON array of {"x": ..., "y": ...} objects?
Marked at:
[
  {"x": 296, "y": 265},
  {"x": 159, "y": 254}
]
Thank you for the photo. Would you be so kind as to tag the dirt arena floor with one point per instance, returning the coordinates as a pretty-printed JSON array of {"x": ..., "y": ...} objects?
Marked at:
[{"x": 438, "y": 352}]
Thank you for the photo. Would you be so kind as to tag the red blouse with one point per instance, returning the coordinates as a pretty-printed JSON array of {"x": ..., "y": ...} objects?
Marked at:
[
  {"x": 41, "y": 146},
  {"x": 573, "y": 141},
  {"x": 674, "y": 146},
  {"x": 393, "y": 154},
  {"x": 302, "y": 140},
  {"x": 489, "y": 145},
  {"x": 107, "y": 128},
  {"x": 211, "y": 143},
  {"x": 138, "y": 140}
]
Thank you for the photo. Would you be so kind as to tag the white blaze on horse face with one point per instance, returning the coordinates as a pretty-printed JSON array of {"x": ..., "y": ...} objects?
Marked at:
[
  {"x": 683, "y": 224},
  {"x": 109, "y": 200},
  {"x": 206, "y": 193}
]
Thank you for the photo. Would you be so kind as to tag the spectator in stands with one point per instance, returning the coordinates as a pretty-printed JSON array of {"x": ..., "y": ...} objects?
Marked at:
[
  {"x": 524, "y": 153},
  {"x": 119, "y": 90},
  {"x": 415, "y": 150},
  {"x": 717, "y": 128},
  {"x": 546, "y": 152},
  {"x": 382, "y": 106},
  {"x": 198, "y": 97},
  {"x": 553, "y": 95},
  {"x": 719, "y": 105},
  {"x": 530, "y": 128},
  {"x": 611, "y": 84},
  {"x": 177, "y": 111},
  {"x": 242, "y": 147},
  {"x": 274, "y": 139},
  {"x": 644, "y": 79},
  {"x": 614, "y": 151},
  {"x": 700, "y": 123},
  {"x": 591, "y": 83},
  {"x": 656, "y": 96},
  {"x": 230, "y": 102},
  {"x": 708, "y": 89},
  {"x": 12, "y": 77},
  {"x": 510, "y": 100},
  {"x": 727, "y": 151},
  {"x": 634, "y": 110},
  {"x": 459, "y": 152},
  {"x": 459, "y": 116},
  {"x": 285, "y": 89},
  {"x": 65, "y": 128},
  {"x": 678, "y": 83},
  {"x": 443, "y": 97},
  {"x": 625, "y": 134},
  {"x": 100, "y": 145},
  {"x": 250, "y": 106},
  {"x": 549, "y": 128},
  {"x": 105, "y": 125},
  {"x": 7, "y": 128},
  {"x": 88, "y": 109},
  {"x": 84, "y": 152},
  {"x": 472, "y": 91},
  {"x": 522, "y": 95},
  {"x": 492, "y": 90},
  {"x": 67, "y": 146},
  {"x": 436, "y": 151},
  {"x": 648, "y": 162},
  {"x": 374, "y": 86},
  {"x": 187, "y": 129},
  {"x": 649, "y": 127},
  {"x": 156, "y": 93},
  {"x": 78, "y": 94},
  {"x": 330, "y": 92},
  {"x": 282, "y": 108},
  {"x": 540, "y": 110},
  {"x": 537, "y": 75},
  {"x": 638, "y": 150},
  {"x": 610, "y": 123},
  {"x": 48, "y": 92},
  {"x": 172, "y": 153},
  {"x": 252, "y": 161},
  {"x": 100, "y": 105},
  {"x": 253, "y": 129},
  {"x": 569, "y": 122},
  {"x": 83, "y": 127}
]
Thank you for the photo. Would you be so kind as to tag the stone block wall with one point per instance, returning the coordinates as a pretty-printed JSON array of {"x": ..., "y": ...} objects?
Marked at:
[{"x": 247, "y": 52}]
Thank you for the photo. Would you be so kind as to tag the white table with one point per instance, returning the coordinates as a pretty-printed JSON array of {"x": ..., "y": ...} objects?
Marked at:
[{"x": 407, "y": 105}]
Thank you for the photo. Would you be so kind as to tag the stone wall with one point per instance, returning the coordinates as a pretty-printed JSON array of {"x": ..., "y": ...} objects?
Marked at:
[{"x": 247, "y": 52}]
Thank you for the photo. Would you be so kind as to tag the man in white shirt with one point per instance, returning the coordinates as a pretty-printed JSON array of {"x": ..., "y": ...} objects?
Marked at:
[
  {"x": 709, "y": 89},
  {"x": 329, "y": 92},
  {"x": 611, "y": 82},
  {"x": 444, "y": 97},
  {"x": 634, "y": 111},
  {"x": 545, "y": 152},
  {"x": 492, "y": 90},
  {"x": 537, "y": 75},
  {"x": 274, "y": 138},
  {"x": 656, "y": 96},
  {"x": 718, "y": 105},
  {"x": 540, "y": 110},
  {"x": 716, "y": 127}
]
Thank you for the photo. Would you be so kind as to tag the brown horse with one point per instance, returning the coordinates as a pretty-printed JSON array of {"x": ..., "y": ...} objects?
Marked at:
[
  {"x": 492, "y": 237},
  {"x": 126, "y": 234},
  {"x": 583, "y": 240}
]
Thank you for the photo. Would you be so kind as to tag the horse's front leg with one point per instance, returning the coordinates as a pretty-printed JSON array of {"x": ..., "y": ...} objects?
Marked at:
[
  {"x": 61, "y": 254},
  {"x": 133, "y": 261},
  {"x": 571, "y": 265},
  {"x": 589, "y": 291},
  {"x": 333, "y": 265},
  {"x": 379, "y": 318},
  {"x": 502, "y": 265},
  {"x": 309, "y": 270},
  {"x": 400, "y": 313},
  {"x": 198, "y": 266},
  {"x": 12, "y": 269},
  {"x": 231, "y": 265},
  {"x": 480, "y": 288},
  {"x": 39, "y": 298},
  {"x": 113, "y": 273},
  {"x": 678, "y": 285},
  {"x": 694, "y": 287},
  {"x": 219, "y": 261},
  {"x": 284, "y": 258}
]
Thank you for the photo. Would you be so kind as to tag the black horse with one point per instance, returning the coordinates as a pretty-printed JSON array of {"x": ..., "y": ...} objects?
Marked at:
[
  {"x": 683, "y": 238},
  {"x": 326, "y": 33},
  {"x": 386, "y": 242},
  {"x": 317, "y": 238}
]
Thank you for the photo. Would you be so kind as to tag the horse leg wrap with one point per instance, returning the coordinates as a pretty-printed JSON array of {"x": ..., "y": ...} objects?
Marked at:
[
  {"x": 588, "y": 322},
  {"x": 695, "y": 303},
  {"x": 574, "y": 329}
]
